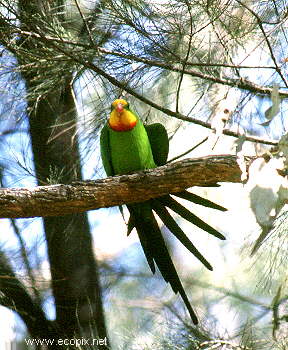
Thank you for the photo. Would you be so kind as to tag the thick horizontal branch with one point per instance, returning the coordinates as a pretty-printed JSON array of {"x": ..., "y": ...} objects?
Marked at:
[{"x": 56, "y": 200}]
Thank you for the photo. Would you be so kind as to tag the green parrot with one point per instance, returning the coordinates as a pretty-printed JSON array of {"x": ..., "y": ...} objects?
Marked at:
[{"x": 127, "y": 146}]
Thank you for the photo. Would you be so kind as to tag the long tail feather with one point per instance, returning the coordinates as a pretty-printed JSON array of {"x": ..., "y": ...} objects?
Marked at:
[
  {"x": 192, "y": 197},
  {"x": 144, "y": 238},
  {"x": 170, "y": 223},
  {"x": 156, "y": 251},
  {"x": 187, "y": 215},
  {"x": 130, "y": 225}
]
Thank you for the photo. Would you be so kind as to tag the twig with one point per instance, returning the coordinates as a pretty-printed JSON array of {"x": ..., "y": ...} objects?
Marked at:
[
  {"x": 186, "y": 57},
  {"x": 260, "y": 24},
  {"x": 188, "y": 151},
  {"x": 85, "y": 22},
  {"x": 241, "y": 83}
]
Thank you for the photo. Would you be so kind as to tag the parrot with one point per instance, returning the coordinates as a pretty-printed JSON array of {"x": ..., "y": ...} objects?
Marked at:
[{"x": 127, "y": 146}]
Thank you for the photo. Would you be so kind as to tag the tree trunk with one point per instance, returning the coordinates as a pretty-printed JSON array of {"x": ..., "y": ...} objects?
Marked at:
[{"x": 75, "y": 280}]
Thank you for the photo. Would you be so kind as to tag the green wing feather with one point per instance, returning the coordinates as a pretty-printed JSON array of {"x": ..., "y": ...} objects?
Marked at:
[
  {"x": 106, "y": 151},
  {"x": 159, "y": 142}
]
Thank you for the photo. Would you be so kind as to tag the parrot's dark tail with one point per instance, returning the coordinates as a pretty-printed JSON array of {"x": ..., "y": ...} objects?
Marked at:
[
  {"x": 171, "y": 203},
  {"x": 155, "y": 249},
  {"x": 153, "y": 244},
  {"x": 194, "y": 198}
]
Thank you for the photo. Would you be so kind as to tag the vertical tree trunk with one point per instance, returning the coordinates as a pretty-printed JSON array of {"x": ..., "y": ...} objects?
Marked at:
[{"x": 75, "y": 280}]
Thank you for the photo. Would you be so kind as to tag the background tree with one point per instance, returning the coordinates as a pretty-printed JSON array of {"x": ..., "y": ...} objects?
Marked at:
[{"x": 216, "y": 64}]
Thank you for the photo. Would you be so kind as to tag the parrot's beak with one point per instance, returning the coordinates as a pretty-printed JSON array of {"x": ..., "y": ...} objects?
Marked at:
[{"x": 119, "y": 108}]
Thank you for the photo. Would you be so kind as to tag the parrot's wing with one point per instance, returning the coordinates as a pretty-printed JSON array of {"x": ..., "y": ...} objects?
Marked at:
[
  {"x": 106, "y": 156},
  {"x": 105, "y": 151},
  {"x": 159, "y": 142}
]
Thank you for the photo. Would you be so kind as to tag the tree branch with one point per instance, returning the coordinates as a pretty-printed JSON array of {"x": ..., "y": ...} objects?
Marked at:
[
  {"x": 58, "y": 200},
  {"x": 241, "y": 83}
]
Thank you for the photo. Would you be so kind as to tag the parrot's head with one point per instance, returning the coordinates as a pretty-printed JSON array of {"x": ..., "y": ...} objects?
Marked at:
[{"x": 121, "y": 118}]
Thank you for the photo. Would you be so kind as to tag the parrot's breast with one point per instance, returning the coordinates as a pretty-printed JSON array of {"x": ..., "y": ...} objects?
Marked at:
[{"x": 130, "y": 150}]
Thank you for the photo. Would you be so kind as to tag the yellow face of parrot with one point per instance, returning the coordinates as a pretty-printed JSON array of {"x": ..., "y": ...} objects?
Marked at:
[{"x": 121, "y": 118}]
